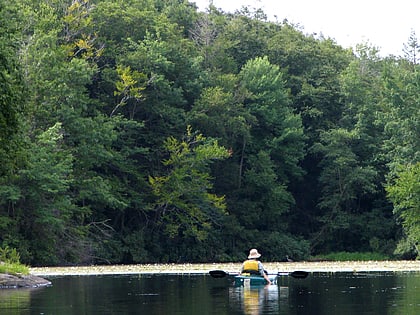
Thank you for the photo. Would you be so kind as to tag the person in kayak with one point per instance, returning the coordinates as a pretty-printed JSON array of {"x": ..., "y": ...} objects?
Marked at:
[{"x": 254, "y": 266}]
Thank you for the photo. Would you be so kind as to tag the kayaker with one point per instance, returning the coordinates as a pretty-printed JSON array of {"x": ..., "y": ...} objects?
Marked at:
[{"x": 254, "y": 266}]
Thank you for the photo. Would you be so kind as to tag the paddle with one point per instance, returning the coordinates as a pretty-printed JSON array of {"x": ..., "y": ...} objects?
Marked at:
[
  {"x": 295, "y": 274},
  {"x": 299, "y": 274},
  {"x": 220, "y": 273}
]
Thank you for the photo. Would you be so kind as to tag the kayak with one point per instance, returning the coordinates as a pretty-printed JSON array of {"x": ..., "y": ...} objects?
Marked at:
[
  {"x": 253, "y": 280},
  {"x": 256, "y": 280}
]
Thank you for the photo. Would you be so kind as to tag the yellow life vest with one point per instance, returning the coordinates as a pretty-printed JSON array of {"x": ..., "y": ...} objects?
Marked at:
[{"x": 250, "y": 266}]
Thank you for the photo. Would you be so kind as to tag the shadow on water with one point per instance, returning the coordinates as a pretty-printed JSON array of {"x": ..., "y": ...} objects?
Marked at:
[{"x": 320, "y": 293}]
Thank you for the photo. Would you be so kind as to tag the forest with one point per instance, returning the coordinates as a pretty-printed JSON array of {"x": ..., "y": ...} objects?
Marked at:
[{"x": 145, "y": 131}]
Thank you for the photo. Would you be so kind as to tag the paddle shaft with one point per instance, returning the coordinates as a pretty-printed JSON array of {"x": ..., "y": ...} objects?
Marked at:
[{"x": 295, "y": 274}]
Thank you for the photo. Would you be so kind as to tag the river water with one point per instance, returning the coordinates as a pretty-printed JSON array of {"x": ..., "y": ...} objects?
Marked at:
[{"x": 319, "y": 293}]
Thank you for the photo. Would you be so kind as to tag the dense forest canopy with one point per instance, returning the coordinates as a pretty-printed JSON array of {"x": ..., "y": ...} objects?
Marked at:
[{"x": 146, "y": 131}]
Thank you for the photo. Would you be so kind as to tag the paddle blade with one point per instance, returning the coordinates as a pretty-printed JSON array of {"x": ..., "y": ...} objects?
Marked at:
[
  {"x": 218, "y": 273},
  {"x": 299, "y": 274}
]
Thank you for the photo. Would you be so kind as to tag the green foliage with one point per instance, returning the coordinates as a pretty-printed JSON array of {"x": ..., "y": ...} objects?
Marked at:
[
  {"x": 130, "y": 86},
  {"x": 278, "y": 130},
  {"x": 351, "y": 165},
  {"x": 184, "y": 202},
  {"x": 263, "y": 200},
  {"x": 295, "y": 136},
  {"x": 245, "y": 35},
  {"x": 135, "y": 247},
  {"x": 279, "y": 245},
  {"x": 46, "y": 182},
  {"x": 400, "y": 118},
  {"x": 400, "y": 115},
  {"x": 14, "y": 269},
  {"x": 219, "y": 114},
  {"x": 9, "y": 255},
  {"x": 405, "y": 195},
  {"x": 11, "y": 88},
  {"x": 10, "y": 262}
]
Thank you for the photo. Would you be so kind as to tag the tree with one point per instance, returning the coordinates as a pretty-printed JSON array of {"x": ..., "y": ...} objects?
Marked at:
[
  {"x": 58, "y": 77},
  {"x": 130, "y": 86},
  {"x": 277, "y": 130},
  {"x": 312, "y": 69},
  {"x": 400, "y": 115},
  {"x": 96, "y": 94},
  {"x": 404, "y": 191},
  {"x": 12, "y": 134},
  {"x": 220, "y": 113},
  {"x": 11, "y": 87},
  {"x": 412, "y": 48},
  {"x": 351, "y": 166},
  {"x": 245, "y": 34},
  {"x": 401, "y": 147},
  {"x": 345, "y": 182},
  {"x": 44, "y": 210},
  {"x": 184, "y": 202},
  {"x": 270, "y": 157}
]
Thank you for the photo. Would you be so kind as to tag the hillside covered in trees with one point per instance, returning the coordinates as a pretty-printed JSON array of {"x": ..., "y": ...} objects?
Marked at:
[{"x": 137, "y": 131}]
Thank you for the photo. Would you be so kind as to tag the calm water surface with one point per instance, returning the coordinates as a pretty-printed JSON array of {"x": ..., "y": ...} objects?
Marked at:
[{"x": 320, "y": 293}]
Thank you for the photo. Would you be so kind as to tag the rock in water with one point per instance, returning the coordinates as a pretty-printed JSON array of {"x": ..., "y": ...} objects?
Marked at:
[{"x": 25, "y": 281}]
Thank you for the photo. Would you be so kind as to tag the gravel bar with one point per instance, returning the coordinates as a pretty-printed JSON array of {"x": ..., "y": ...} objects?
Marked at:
[{"x": 321, "y": 266}]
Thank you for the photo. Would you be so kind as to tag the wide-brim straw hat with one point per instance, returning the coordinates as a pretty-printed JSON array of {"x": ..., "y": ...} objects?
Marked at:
[{"x": 253, "y": 253}]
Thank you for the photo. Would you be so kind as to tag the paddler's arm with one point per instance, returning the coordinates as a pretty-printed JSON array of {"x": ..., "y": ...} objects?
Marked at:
[
  {"x": 267, "y": 279},
  {"x": 260, "y": 265}
]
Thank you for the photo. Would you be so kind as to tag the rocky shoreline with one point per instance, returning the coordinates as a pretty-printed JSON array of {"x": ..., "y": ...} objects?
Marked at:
[
  {"x": 22, "y": 281},
  {"x": 322, "y": 266}
]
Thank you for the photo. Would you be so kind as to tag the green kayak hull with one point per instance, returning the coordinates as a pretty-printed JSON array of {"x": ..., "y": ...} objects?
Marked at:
[{"x": 242, "y": 280}]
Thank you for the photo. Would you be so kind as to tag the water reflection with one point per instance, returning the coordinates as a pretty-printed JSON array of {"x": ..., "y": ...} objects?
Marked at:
[
  {"x": 343, "y": 293},
  {"x": 255, "y": 300},
  {"x": 14, "y": 299}
]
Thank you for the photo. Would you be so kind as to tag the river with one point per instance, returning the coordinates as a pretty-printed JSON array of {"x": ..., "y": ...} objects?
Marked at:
[{"x": 391, "y": 293}]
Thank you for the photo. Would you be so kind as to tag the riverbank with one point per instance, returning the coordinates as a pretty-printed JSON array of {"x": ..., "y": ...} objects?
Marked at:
[{"x": 322, "y": 266}]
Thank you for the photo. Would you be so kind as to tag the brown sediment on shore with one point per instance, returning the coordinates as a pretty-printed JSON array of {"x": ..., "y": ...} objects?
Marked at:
[{"x": 321, "y": 266}]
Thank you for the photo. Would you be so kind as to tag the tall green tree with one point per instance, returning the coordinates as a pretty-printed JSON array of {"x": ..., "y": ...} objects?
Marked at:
[
  {"x": 278, "y": 129},
  {"x": 12, "y": 108},
  {"x": 246, "y": 33},
  {"x": 270, "y": 159},
  {"x": 350, "y": 174},
  {"x": 404, "y": 192},
  {"x": 10, "y": 84},
  {"x": 311, "y": 67},
  {"x": 60, "y": 63},
  {"x": 45, "y": 209},
  {"x": 345, "y": 183},
  {"x": 220, "y": 113},
  {"x": 185, "y": 203},
  {"x": 400, "y": 115},
  {"x": 401, "y": 145}
]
